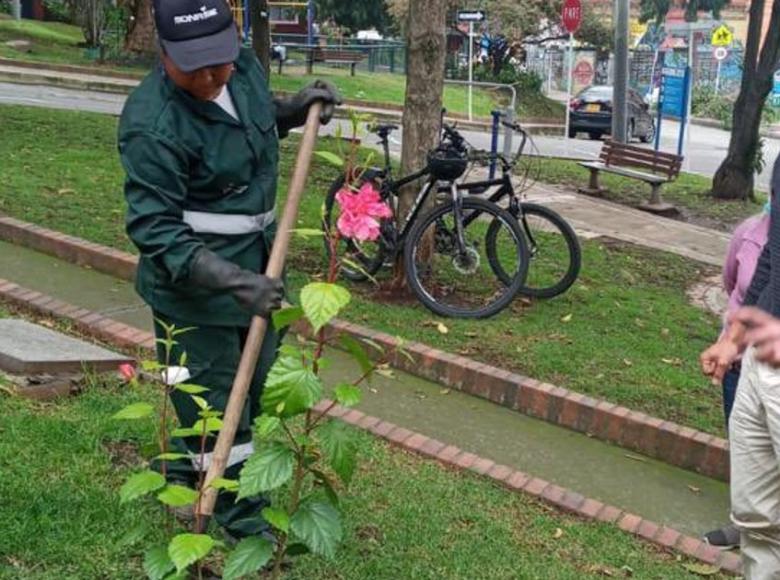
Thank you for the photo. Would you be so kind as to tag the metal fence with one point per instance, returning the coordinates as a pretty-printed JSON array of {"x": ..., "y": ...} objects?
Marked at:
[
  {"x": 645, "y": 68},
  {"x": 379, "y": 56}
]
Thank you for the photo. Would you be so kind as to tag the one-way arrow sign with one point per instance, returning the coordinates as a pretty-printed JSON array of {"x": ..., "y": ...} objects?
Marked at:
[{"x": 472, "y": 15}]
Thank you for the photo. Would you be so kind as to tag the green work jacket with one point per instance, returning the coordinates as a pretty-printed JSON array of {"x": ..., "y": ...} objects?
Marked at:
[{"x": 186, "y": 158}]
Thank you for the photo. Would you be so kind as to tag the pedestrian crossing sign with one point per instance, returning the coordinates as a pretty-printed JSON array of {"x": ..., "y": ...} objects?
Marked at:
[{"x": 722, "y": 36}]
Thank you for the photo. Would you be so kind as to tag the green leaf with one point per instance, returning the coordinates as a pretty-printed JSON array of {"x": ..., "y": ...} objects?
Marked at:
[
  {"x": 226, "y": 484},
  {"x": 373, "y": 344},
  {"x": 185, "y": 432},
  {"x": 151, "y": 365},
  {"x": 318, "y": 525},
  {"x": 339, "y": 443},
  {"x": 212, "y": 425},
  {"x": 157, "y": 563},
  {"x": 322, "y": 302},
  {"x": 287, "y": 316},
  {"x": 202, "y": 403},
  {"x": 190, "y": 389},
  {"x": 269, "y": 468},
  {"x": 348, "y": 395},
  {"x": 291, "y": 385},
  {"x": 186, "y": 549},
  {"x": 248, "y": 556},
  {"x": 277, "y": 518},
  {"x": 135, "y": 411},
  {"x": 171, "y": 456},
  {"x": 178, "y": 496},
  {"x": 139, "y": 484},
  {"x": 183, "y": 575},
  {"x": 267, "y": 425},
  {"x": 331, "y": 158},
  {"x": 357, "y": 351},
  {"x": 297, "y": 550},
  {"x": 327, "y": 485}
]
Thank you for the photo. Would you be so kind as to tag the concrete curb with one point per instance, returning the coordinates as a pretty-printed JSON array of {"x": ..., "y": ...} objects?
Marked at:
[
  {"x": 566, "y": 500},
  {"x": 632, "y": 430}
]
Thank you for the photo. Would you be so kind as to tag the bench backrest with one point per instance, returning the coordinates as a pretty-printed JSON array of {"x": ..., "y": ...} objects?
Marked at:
[
  {"x": 335, "y": 54},
  {"x": 622, "y": 155}
]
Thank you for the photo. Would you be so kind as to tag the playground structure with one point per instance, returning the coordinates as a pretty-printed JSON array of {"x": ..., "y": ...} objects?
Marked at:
[{"x": 278, "y": 17}]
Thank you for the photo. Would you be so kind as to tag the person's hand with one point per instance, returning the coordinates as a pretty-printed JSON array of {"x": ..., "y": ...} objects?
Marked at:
[
  {"x": 256, "y": 293},
  {"x": 717, "y": 359},
  {"x": 762, "y": 332},
  {"x": 259, "y": 294},
  {"x": 321, "y": 91}
]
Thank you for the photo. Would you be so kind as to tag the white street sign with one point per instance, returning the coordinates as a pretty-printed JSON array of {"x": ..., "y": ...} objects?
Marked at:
[{"x": 472, "y": 16}]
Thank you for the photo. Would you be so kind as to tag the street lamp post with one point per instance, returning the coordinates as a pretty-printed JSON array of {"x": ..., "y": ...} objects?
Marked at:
[{"x": 619, "y": 99}]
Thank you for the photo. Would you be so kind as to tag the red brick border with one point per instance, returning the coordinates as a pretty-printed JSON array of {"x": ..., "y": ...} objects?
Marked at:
[
  {"x": 669, "y": 442},
  {"x": 564, "y": 499}
]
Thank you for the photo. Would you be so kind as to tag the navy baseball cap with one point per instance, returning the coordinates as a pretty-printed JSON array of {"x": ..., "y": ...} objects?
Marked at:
[{"x": 197, "y": 33}]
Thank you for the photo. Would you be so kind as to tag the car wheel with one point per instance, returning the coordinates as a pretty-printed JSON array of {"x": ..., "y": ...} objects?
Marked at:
[
  {"x": 649, "y": 135},
  {"x": 572, "y": 133},
  {"x": 631, "y": 131},
  {"x": 594, "y": 135}
]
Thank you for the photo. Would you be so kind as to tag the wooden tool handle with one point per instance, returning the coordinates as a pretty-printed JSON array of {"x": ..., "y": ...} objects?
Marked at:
[{"x": 254, "y": 342}]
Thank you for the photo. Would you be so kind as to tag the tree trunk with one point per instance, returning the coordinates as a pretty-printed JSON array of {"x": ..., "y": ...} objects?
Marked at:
[
  {"x": 261, "y": 33},
  {"x": 424, "y": 89},
  {"x": 735, "y": 177},
  {"x": 141, "y": 36}
]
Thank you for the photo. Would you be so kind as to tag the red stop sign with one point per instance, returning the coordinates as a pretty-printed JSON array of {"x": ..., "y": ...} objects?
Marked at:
[{"x": 572, "y": 15}]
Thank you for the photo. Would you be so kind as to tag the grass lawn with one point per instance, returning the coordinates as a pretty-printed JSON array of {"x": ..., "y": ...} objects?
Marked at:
[
  {"x": 690, "y": 193},
  {"x": 59, "y": 43},
  {"x": 52, "y": 42},
  {"x": 64, "y": 461},
  {"x": 625, "y": 332}
]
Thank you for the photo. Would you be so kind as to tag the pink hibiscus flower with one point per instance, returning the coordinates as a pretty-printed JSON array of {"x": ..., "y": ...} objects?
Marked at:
[{"x": 360, "y": 212}]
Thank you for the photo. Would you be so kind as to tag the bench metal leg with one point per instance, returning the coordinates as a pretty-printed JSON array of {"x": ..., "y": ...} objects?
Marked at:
[
  {"x": 594, "y": 187},
  {"x": 656, "y": 204},
  {"x": 281, "y": 62},
  {"x": 352, "y": 69}
]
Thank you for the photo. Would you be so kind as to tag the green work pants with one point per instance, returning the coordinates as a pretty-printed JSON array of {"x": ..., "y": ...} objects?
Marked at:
[{"x": 212, "y": 358}]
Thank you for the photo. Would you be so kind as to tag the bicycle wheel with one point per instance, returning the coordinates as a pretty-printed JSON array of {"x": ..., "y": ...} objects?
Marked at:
[
  {"x": 359, "y": 260},
  {"x": 556, "y": 257},
  {"x": 457, "y": 280}
]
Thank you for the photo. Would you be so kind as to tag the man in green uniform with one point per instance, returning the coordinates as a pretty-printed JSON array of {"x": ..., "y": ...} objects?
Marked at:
[{"x": 199, "y": 143}]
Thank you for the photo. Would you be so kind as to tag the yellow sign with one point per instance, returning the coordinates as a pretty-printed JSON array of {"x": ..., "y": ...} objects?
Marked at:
[{"x": 722, "y": 36}]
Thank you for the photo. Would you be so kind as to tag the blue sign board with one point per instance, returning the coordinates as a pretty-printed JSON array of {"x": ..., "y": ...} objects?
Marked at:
[
  {"x": 776, "y": 92},
  {"x": 674, "y": 86}
]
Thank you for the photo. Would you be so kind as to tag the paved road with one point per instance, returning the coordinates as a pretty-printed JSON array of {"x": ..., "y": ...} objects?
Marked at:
[{"x": 708, "y": 146}]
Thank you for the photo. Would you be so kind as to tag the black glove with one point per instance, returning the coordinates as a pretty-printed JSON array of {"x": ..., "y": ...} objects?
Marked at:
[
  {"x": 256, "y": 293},
  {"x": 292, "y": 112}
]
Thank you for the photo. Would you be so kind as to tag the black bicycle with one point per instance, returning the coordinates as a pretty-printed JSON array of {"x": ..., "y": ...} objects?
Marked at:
[
  {"x": 444, "y": 248},
  {"x": 556, "y": 256}
]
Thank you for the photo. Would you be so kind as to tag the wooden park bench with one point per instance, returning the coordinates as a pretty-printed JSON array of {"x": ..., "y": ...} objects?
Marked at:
[
  {"x": 653, "y": 167},
  {"x": 336, "y": 56}
]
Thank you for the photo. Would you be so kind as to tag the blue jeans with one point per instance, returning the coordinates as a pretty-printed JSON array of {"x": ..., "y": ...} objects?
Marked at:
[{"x": 730, "y": 382}]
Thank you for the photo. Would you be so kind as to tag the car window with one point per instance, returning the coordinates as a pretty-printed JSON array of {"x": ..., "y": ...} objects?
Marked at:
[{"x": 597, "y": 92}]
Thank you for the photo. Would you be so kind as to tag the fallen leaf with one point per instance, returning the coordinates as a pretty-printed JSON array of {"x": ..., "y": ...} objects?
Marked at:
[
  {"x": 470, "y": 334},
  {"x": 420, "y": 395},
  {"x": 635, "y": 458},
  {"x": 441, "y": 328},
  {"x": 600, "y": 570},
  {"x": 701, "y": 569},
  {"x": 694, "y": 489},
  {"x": 567, "y": 318},
  {"x": 373, "y": 391},
  {"x": 628, "y": 362},
  {"x": 65, "y": 191},
  {"x": 558, "y": 534},
  {"x": 444, "y": 392},
  {"x": 628, "y": 571},
  {"x": 599, "y": 376},
  {"x": 665, "y": 332}
]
